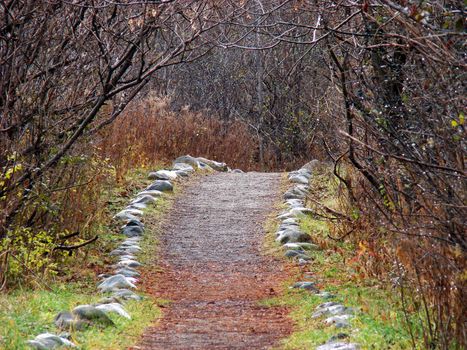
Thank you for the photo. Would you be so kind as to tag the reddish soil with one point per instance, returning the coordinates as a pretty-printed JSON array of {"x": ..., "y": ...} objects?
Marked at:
[{"x": 212, "y": 270}]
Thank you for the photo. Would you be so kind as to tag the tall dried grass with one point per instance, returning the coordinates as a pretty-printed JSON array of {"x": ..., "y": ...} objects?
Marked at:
[
  {"x": 399, "y": 248},
  {"x": 149, "y": 130}
]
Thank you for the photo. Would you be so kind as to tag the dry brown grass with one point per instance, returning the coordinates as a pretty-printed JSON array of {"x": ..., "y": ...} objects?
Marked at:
[{"x": 149, "y": 130}]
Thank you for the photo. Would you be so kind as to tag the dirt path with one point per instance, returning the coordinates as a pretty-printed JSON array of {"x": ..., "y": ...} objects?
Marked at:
[{"x": 212, "y": 270}]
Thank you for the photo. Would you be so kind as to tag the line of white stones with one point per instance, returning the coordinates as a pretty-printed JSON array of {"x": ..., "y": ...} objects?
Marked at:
[
  {"x": 120, "y": 285},
  {"x": 298, "y": 245}
]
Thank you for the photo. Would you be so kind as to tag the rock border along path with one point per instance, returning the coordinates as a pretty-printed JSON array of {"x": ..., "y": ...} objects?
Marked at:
[
  {"x": 224, "y": 313},
  {"x": 120, "y": 285},
  {"x": 298, "y": 246}
]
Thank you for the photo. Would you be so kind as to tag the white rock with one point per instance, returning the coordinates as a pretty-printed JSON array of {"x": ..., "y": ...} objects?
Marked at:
[
  {"x": 163, "y": 175},
  {"x": 338, "y": 346},
  {"x": 137, "y": 205},
  {"x": 129, "y": 263},
  {"x": 49, "y": 341},
  {"x": 125, "y": 216},
  {"x": 338, "y": 318},
  {"x": 290, "y": 221},
  {"x": 128, "y": 214},
  {"x": 183, "y": 167},
  {"x": 152, "y": 193},
  {"x": 117, "y": 282},
  {"x": 115, "y": 308},
  {"x": 299, "y": 179},
  {"x": 144, "y": 199}
]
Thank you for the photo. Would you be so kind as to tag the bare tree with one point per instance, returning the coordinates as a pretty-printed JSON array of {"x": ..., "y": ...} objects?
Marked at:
[{"x": 62, "y": 62}]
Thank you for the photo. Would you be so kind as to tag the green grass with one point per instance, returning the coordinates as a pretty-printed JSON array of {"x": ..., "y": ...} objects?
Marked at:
[
  {"x": 379, "y": 322},
  {"x": 25, "y": 313}
]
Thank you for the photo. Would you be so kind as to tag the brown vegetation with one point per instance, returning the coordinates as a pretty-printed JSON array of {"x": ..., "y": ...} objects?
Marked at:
[
  {"x": 376, "y": 87},
  {"x": 148, "y": 130}
]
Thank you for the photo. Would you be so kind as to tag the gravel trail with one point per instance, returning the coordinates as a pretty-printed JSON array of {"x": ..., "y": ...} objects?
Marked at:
[{"x": 211, "y": 268}]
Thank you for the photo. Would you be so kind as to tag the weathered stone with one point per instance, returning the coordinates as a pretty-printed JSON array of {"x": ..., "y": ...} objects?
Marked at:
[
  {"x": 286, "y": 227},
  {"x": 213, "y": 164},
  {"x": 162, "y": 175},
  {"x": 135, "y": 222},
  {"x": 182, "y": 173},
  {"x": 310, "y": 166},
  {"x": 204, "y": 166},
  {"x": 290, "y": 221},
  {"x": 310, "y": 286},
  {"x": 295, "y": 193},
  {"x": 285, "y": 215},
  {"x": 144, "y": 199},
  {"x": 113, "y": 308},
  {"x": 293, "y": 246},
  {"x": 126, "y": 257},
  {"x": 300, "y": 179},
  {"x": 127, "y": 244},
  {"x": 302, "y": 245},
  {"x": 125, "y": 216},
  {"x": 338, "y": 346},
  {"x": 293, "y": 236},
  {"x": 133, "y": 249},
  {"x": 161, "y": 185},
  {"x": 295, "y": 254},
  {"x": 300, "y": 211},
  {"x": 301, "y": 172},
  {"x": 341, "y": 324},
  {"x": 132, "y": 231},
  {"x": 117, "y": 282},
  {"x": 92, "y": 314},
  {"x": 187, "y": 168},
  {"x": 128, "y": 272},
  {"x": 295, "y": 203},
  {"x": 187, "y": 160},
  {"x": 46, "y": 341},
  {"x": 65, "y": 320},
  {"x": 36, "y": 345},
  {"x": 326, "y": 305},
  {"x": 139, "y": 206},
  {"x": 126, "y": 294},
  {"x": 117, "y": 251},
  {"x": 128, "y": 263},
  {"x": 152, "y": 193},
  {"x": 332, "y": 308},
  {"x": 134, "y": 212},
  {"x": 131, "y": 240}
]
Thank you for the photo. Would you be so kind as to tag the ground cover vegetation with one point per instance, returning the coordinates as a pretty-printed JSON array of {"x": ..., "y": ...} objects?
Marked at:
[
  {"x": 377, "y": 88},
  {"x": 30, "y": 308}
]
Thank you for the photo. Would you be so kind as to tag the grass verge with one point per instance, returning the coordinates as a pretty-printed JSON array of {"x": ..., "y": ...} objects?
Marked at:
[
  {"x": 379, "y": 322},
  {"x": 25, "y": 313}
]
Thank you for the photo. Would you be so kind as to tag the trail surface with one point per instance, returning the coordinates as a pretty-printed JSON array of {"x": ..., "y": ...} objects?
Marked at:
[{"x": 212, "y": 271}]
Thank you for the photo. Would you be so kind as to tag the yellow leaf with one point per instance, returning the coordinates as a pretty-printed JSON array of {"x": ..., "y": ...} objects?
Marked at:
[
  {"x": 454, "y": 123},
  {"x": 461, "y": 118}
]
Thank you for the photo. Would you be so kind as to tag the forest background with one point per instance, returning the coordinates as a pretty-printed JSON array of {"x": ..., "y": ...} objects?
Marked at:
[{"x": 91, "y": 90}]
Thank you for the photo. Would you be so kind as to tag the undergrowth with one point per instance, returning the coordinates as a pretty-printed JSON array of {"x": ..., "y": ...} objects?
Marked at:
[
  {"x": 27, "y": 312},
  {"x": 379, "y": 323}
]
